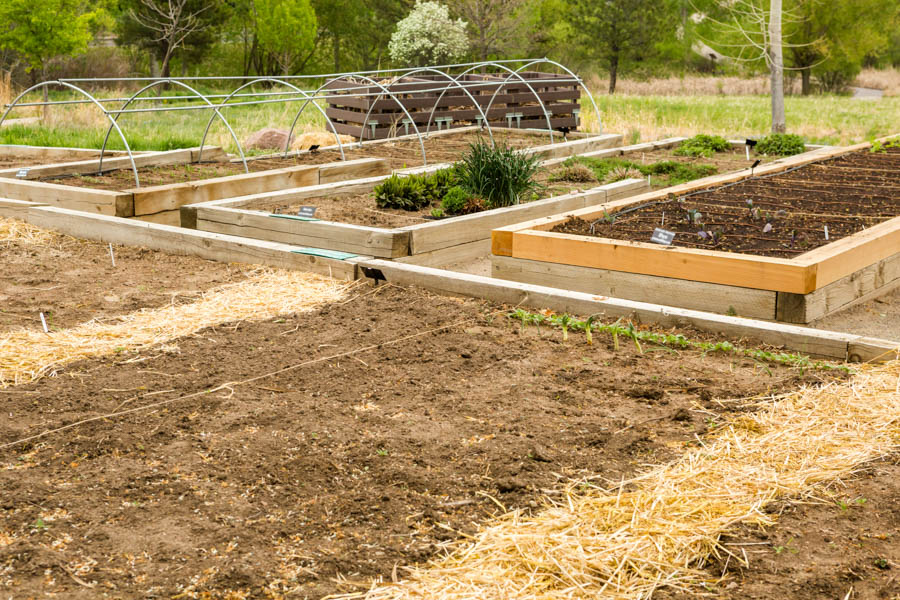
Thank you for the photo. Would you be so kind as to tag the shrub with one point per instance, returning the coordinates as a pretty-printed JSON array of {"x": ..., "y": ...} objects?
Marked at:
[
  {"x": 428, "y": 36},
  {"x": 455, "y": 201},
  {"x": 623, "y": 172},
  {"x": 781, "y": 144},
  {"x": 576, "y": 173},
  {"x": 499, "y": 175},
  {"x": 407, "y": 193},
  {"x": 702, "y": 145}
]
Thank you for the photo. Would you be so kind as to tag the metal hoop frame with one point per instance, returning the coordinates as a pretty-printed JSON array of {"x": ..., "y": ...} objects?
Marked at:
[
  {"x": 442, "y": 71},
  {"x": 293, "y": 87},
  {"x": 113, "y": 123}
]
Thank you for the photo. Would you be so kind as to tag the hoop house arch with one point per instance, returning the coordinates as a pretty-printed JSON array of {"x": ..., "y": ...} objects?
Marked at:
[
  {"x": 84, "y": 93},
  {"x": 158, "y": 82},
  {"x": 286, "y": 84},
  {"x": 384, "y": 91},
  {"x": 577, "y": 80},
  {"x": 512, "y": 73},
  {"x": 452, "y": 80}
]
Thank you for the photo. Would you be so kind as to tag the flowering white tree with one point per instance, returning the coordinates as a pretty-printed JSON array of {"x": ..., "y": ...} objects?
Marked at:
[{"x": 428, "y": 36}]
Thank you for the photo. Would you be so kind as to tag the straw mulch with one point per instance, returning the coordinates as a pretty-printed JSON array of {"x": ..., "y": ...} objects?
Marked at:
[
  {"x": 12, "y": 231},
  {"x": 658, "y": 529},
  {"x": 27, "y": 355}
]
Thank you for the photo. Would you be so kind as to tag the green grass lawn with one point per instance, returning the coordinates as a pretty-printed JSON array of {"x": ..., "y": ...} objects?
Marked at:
[{"x": 819, "y": 119}]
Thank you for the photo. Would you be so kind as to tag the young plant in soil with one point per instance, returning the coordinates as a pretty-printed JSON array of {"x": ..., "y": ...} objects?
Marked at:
[
  {"x": 702, "y": 145},
  {"x": 500, "y": 175},
  {"x": 781, "y": 144}
]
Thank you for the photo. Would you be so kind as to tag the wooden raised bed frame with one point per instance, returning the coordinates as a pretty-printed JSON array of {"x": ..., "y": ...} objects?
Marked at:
[
  {"x": 438, "y": 242},
  {"x": 800, "y": 290},
  {"x": 161, "y": 203}
]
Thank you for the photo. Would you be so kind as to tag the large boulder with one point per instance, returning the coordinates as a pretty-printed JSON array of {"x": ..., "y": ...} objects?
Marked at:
[{"x": 267, "y": 139}]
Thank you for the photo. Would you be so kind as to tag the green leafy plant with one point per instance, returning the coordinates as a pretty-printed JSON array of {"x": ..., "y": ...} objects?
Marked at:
[
  {"x": 781, "y": 144},
  {"x": 406, "y": 193},
  {"x": 440, "y": 182},
  {"x": 455, "y": 201},
  {"x": 702, "y": 145},
  {"x": 501, "y": 175}
]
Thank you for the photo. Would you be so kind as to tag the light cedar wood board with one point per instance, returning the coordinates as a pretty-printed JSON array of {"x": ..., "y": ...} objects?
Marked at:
[
  {"x": 110, "y": 163},
  {"x": 102, "y": 202},
  {"x": 711, "y": 297},
  {"x": 799, "y": 339},
  {"x": 708, "y": 266}
]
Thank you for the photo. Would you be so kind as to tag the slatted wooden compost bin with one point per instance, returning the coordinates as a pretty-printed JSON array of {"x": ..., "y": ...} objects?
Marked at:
[{"x": 515, "y": 105}]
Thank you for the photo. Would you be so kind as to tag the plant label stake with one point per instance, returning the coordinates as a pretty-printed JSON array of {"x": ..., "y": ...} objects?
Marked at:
[
  {"x": 749, "y": 144},
  {"x": 753, "y": 166},
  {"x": 662, "y": 221},
  {"x": 22, "y": 173},
  {"x": 826, "y": 233},
  {"x": 44, "y": 323},
  {"x": 661, "y": 236},
  {"x": 307, "y": 211},
  {"x": 112, "y": 256}
]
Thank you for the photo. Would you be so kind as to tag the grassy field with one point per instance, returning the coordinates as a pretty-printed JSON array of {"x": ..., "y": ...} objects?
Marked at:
[{"x": 820, "y": 119}]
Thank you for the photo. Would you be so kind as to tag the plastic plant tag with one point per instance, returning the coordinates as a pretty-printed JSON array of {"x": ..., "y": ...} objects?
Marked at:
[{"x": 661, "y": 236}]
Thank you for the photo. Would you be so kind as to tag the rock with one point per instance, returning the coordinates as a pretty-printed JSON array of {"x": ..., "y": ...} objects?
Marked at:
[
  {"x": 509, "y": 484},
  {"x": 266, "y": 139},
  {"x": 540, "y": 454}
]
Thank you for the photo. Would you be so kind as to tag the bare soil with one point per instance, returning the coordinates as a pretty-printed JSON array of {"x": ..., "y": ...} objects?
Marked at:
[
  {"x": 879, "y": 318},
  {"x": 845, "y": 546},
  {"x": 72, "y": 281},
  {"x": 402, "y": 154},
  {"x": 784, "y": 215},
  {"x": 314, "y": 480}
]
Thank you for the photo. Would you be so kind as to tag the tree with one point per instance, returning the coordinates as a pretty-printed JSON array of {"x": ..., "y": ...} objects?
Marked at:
[
  {"x": 428, "y": 36},
  {"x": 164, "y": 26},
  {"x": 493, "y": 23},
  {"x": 285, "y": 34},
  {"x": 39, "y": 31},
  {"x": 832, "y": 38},
  {"x": 338, "y": 20},
  {"x": 617, "y": 31},
  {"x": 753, "y": 31}
]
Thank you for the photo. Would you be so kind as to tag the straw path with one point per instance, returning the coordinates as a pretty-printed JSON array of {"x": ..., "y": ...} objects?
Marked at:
[
  {"x": 658, "y": 529},
  {"x": 13, "y": 231},
  {"x": 27, "y": 355}
]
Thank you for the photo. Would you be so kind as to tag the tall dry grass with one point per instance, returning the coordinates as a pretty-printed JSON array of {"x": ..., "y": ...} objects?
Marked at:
[
  {"x": 887, "y": 80},
  {"x": 692, "y": 85}
]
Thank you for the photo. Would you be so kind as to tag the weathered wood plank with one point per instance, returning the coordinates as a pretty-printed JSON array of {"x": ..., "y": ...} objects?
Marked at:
[
  {"x": 175, "y": 240},
  {"x": 577, "y": 146},
  {"x": 359, "y": 168},
  {"x": 93, "y": 201},
  {"x": 388, "y": 243},
  {"x": 459, "y": 253},
  {"x": 709, "y": 297},
  {"x": 800, "y": 339}
]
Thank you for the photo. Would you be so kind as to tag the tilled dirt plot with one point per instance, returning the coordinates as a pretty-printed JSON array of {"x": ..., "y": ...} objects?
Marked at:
[
  {"x": 402, "y": 154},
  {"x": 344, "y": 465},
  {"x": 842, "y": 547},
  {"x": 782, "y": 215},
  {"x": 72, "y": 281}
]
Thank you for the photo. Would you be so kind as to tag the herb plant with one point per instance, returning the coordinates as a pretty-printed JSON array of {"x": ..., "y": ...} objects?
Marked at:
[
  {"x": 702, "y": 145},
  {"x": 781, "y": 144},
  {"x": 500, "y": 175}
]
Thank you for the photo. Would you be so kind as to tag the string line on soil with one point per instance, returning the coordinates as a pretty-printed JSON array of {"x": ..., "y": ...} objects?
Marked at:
[
  {"x": 28, "y": 354},
  {"x": 660, "y": 529},
  {"x": 232, "y": 384}
]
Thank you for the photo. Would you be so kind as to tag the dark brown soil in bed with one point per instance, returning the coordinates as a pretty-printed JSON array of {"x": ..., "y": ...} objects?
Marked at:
[
  {"x": 784, "y": 215},
  {"x": 315, "y": 480},
  {"x": 402, "y": 154},
  {"x": 72, "y": 281}
]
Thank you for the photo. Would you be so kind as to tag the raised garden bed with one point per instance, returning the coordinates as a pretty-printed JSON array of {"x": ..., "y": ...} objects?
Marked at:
[
  {"x": 175, "y": 177},
  {"x": 769, "y": 259},
  {"x": 350, "y": 222},
  {"x": 361, "y": 113}
]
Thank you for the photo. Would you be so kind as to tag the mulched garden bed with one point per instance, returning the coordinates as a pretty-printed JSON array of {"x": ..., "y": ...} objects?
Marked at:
[
  {"x": 314, "y": 480},
  {"x": 784, "y": 215},
  {"x": 402, "y": 154},
  {"x": 73, "y": 281}
]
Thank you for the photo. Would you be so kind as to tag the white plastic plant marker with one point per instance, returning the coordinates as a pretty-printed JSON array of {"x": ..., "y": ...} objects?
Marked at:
[
  {"x": 826, "y": 233},
  {"x": 112, "y": 256},
  {"x": 44, "y": 323}
]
